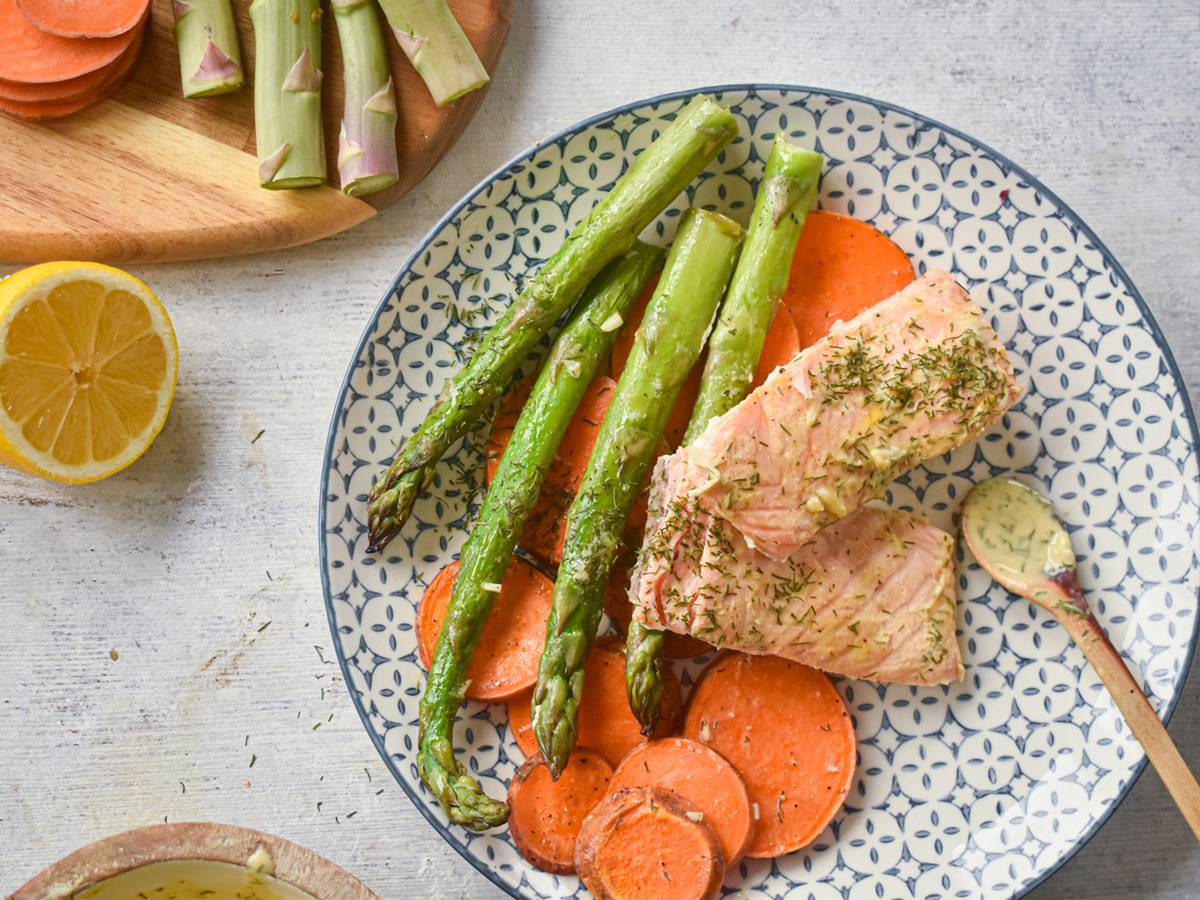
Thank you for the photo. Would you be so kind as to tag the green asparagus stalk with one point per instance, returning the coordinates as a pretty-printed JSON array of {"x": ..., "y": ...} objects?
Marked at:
[
  {"x": 577, "y": 354},
  {"x": 367, "y": 143},
  {"x": 210, "y": 60},
  {"x": 287, "y": 93},
  {"x": 667, "y": 345},
  {"x": 784, "y": 196},
  {"x": 434, "y": 42},
  {"x": 662, "y": 170}
]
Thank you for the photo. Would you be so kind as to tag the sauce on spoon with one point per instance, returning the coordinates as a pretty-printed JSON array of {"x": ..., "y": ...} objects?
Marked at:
[{"x": 1015, "y": 534}]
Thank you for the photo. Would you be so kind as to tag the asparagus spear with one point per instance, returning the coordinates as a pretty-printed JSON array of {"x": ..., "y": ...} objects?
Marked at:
[
  {"x": 578, "y": 351},
  {"x": 287, "y": 93},
  {"x": 210, "y": 60},
  {"x": 367, "y": 144},
  {"x": 657, "y": 175},
  {"x": 784, "y": 196},
  {"x": 434, "y": 42},
  {"x": 666, "y": 347}
]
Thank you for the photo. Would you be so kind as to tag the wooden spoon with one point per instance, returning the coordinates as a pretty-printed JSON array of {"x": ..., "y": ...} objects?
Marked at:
[{"x": 1015, "y": 535}]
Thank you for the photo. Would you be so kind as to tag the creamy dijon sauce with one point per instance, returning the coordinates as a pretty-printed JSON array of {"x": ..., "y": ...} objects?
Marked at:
[
  {"x": 1015, "y": 535},
  {"x": 196, "y": 880}
]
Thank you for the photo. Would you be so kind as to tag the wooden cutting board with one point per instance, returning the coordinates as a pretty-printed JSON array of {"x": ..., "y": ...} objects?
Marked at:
[{"x": 148, "y": 175}]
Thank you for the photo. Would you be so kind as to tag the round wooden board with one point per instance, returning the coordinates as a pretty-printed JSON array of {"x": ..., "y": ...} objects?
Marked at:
[{"x": 148, "y": 175}]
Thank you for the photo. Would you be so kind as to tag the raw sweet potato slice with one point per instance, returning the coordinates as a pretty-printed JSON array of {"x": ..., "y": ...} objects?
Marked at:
[
  {"x": 116, "y": 75},
  {"x": 38, "y": 57},
  {"x": 84, "y": 18},
  {"x": 71, "y": 89},
  {"x": 643, "y": 843}
]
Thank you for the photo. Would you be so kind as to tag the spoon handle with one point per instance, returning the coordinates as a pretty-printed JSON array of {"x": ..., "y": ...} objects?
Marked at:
[{"x": 1138, "y": 713}]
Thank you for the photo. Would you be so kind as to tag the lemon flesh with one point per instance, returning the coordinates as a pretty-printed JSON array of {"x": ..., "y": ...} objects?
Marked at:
[{"x": 88, "y": 367}]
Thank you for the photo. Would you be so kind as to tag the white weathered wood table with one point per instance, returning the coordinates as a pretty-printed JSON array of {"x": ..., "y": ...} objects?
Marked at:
[{"x": 198, "y": 567}]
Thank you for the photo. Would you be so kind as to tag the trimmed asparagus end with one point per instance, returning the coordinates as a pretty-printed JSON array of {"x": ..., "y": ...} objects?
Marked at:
[
  {"x": 295, "y": 182},
  {"x": 790, "y": 180},
  {"x": 210, "y": 61},
  {"x": 435, "y": 44},
  {"x": 367, "y": 142},
  {"x": 217, "y": 73},
  {"x": 352, "y": 165},
  {"x": 287, "y": 99}
]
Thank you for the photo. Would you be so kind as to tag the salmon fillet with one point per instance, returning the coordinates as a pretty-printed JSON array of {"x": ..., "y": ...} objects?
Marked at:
[
  {"x": 911, "y": 378},
  {"x": 870, "y": 596}
]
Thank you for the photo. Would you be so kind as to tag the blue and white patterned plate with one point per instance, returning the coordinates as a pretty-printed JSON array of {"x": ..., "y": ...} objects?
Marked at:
[{"x": 979, "y": 789}]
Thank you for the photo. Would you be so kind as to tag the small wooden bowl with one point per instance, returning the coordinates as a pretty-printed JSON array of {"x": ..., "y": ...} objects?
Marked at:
[{"x": 191, "y": 841}]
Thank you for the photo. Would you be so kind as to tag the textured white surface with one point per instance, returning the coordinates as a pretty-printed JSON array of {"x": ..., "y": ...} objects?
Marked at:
[{"x": 178, "y": 562}]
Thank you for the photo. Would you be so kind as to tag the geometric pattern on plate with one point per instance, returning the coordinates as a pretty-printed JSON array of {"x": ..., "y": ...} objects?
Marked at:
[{"x": 981, "y": 788}]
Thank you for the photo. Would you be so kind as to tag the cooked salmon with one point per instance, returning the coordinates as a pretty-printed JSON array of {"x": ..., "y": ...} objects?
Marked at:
[
  {"x": 911, "y": 378},
  {"x": 870, "y": 596}
]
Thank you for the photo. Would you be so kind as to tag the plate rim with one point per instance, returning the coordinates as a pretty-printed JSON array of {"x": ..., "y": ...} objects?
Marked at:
[{"x": 530, "y": 151}]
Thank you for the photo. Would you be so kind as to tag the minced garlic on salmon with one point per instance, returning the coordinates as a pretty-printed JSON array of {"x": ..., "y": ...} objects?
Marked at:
[{"x": 911, "y": 378}]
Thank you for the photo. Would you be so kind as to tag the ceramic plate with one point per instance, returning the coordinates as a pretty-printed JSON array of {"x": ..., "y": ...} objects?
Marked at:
[{"x": 979, "y": 789}]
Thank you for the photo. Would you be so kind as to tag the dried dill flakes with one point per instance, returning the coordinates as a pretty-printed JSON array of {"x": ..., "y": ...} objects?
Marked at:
[
  {"x": 264, "y": 626},
  {"x": 253, "y": 760},
  {"x": 261, "y": 432},
  {"x": 1071, "y": 608}
]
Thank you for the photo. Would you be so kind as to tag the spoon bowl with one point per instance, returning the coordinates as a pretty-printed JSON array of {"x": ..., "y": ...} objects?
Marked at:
[{"x": 1015, "y": 534}]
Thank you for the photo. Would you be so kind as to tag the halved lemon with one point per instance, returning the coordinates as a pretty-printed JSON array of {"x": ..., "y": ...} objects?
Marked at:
[{"x": 88, "y": 366}]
